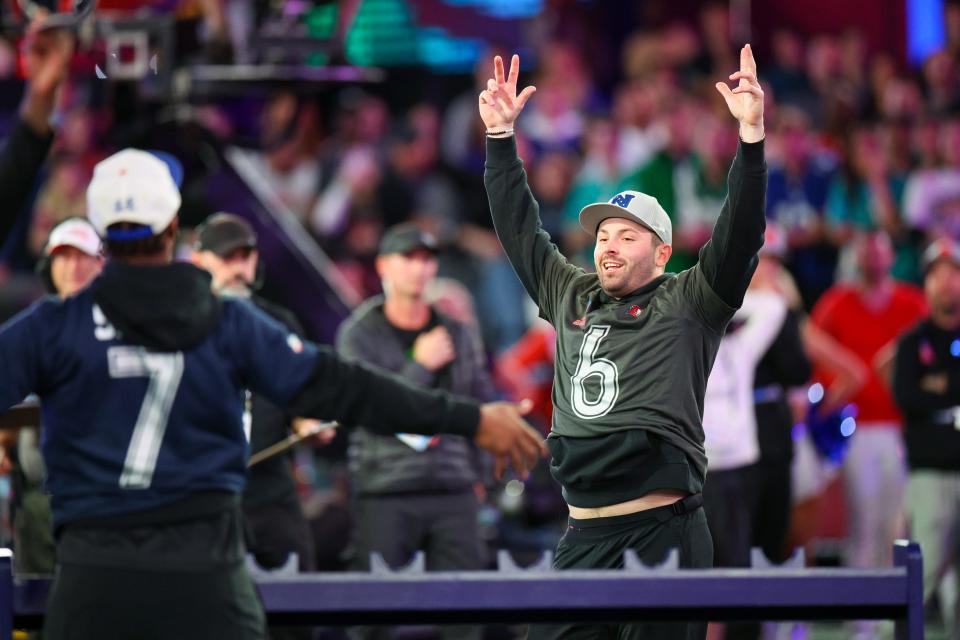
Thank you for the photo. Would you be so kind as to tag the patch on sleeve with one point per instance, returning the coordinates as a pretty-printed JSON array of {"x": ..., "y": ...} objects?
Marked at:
[{"x": 295, "y": 343}]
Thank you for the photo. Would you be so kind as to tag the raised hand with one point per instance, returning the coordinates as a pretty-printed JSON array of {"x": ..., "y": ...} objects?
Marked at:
[
  {"x": 499, "y": 103},
  {"x": 47, "y": 54},
  {"x": 745, "y": 101},
  {"x": 434, "y": 349}
]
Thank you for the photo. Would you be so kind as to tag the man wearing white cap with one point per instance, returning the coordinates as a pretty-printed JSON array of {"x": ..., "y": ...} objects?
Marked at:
[
  {"x": 72, "y": 258},
  {"x": 634, "y": 348},
  {"x": 142, "y": 378}
]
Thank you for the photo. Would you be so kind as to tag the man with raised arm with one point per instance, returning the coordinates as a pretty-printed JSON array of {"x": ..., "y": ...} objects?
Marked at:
[
  {"x": 46, "y": 56},
  {"x": 635, "y": 346}
]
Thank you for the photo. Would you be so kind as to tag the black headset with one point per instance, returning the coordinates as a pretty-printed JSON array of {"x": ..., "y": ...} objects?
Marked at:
[
  {"x": 260, "y": 275},
  {"x": 43, "y": 270}
]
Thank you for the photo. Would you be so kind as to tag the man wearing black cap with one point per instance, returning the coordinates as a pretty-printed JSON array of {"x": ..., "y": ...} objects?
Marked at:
[
  {"x": 415, "y": 492},
  {"x": 226, "y": 247},
  {"x": 926, "y": 387}
]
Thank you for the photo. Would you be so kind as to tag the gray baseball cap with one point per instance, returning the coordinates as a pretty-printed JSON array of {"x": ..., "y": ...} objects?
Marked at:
[
  {"x": 224, "y": 233},
  {"x": 631, "y": 205}
]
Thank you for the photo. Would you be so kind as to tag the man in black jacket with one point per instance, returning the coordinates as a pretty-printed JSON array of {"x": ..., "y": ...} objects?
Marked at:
[
  {"x": 412, "y": 491},
  {"x": 226, "y": 247},
  {"x": 785, "y": 365},
  {"x": 47, "y": 59},
  {"x": 926, "y": 386},
  {"x": 634, "y": 348}
]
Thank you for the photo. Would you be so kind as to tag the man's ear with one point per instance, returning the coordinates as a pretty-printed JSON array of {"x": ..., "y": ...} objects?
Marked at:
[
  {"x": 380, "y": 263},
  {"x": 172, "y": 229},
  {"x": 664, "y": 251}
]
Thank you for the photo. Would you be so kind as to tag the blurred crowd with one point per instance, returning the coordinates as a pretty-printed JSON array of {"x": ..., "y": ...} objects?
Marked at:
[
  {"x": 855, "y": 141},
  {"x": 864, "y": 173}
]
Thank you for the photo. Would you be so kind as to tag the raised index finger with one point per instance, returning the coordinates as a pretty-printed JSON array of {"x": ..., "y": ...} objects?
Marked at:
[
  {"x": 498, "y": 69},
  {"x": 514, "y": 69},
  {"x": 747, "y": 63}
]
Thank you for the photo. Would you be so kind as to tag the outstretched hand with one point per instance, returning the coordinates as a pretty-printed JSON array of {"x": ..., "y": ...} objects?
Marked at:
[
  {"x": 499, "y": 103},
  {"x": 504, "y": 433},
  {"x": 745, "y": 101}
]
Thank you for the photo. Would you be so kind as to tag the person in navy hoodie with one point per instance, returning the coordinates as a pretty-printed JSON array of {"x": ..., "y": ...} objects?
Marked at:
[{"x": 142, "y": 378}]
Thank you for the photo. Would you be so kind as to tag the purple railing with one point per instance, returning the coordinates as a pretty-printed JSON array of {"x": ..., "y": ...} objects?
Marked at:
[{"x": 538, "y": 594}]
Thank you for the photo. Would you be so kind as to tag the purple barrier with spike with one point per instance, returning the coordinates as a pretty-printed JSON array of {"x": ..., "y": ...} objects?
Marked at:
[{"x": 536, "y": 595}]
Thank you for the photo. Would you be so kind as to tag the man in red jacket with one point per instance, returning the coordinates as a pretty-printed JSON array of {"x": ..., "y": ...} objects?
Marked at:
[{"x": 866, "y": 316}]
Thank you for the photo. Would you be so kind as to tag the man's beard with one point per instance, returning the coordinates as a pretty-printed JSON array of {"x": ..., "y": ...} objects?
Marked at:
[
  {"x": 874, "y": 275},
  {"x": 235, "y": 288},
  {"x": 641, "y": 275},
  {"x": 947, "y": 308}
]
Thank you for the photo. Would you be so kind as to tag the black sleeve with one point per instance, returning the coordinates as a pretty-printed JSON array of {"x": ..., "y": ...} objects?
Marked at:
[
  {"x": 312, "y": 381},
  {"x": 786, "y": 355},
  {"x": 729, "y": 258},
  {"x": 20, "y": 161},
  {"x": 292, "y": 322},
  {"x": 353, "y": 394},
  {"x": 281, "y": 314},
  {"x": 542, "y": 269},
  {"x": 908, "y": 373}
]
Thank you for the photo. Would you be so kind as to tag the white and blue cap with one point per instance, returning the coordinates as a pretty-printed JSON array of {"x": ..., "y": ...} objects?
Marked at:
[
  {"x": 631, "y": 205},
  {"x": 137, "y": 187}
]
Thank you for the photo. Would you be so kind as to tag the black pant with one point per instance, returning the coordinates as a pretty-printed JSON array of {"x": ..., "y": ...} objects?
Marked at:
[
  {"x": 771, "y": 522},
  {"x": 33, "y": 532},
  {"x": 599, "y": 543},
  {"x": 444, "y": 526},
  {"x": 729, "y": 499},
  {"x": 125, "y": 604},
  {"x": 178, "y": 580},
  {"x": 277, "y": 530},
  {"x": 771, "y": 525}
]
